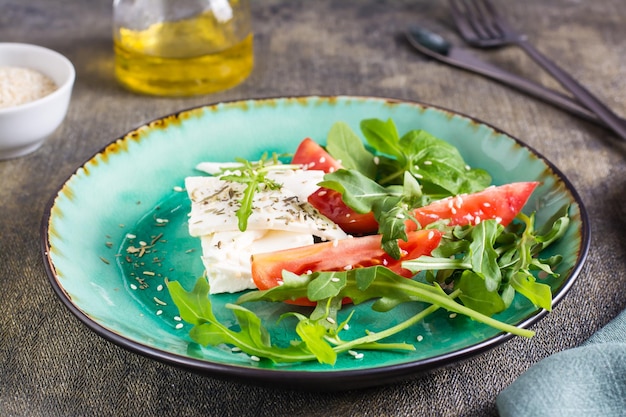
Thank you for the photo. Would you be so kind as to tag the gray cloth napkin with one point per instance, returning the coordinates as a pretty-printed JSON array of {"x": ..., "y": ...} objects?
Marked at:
[{"x": 589, "y": 380}]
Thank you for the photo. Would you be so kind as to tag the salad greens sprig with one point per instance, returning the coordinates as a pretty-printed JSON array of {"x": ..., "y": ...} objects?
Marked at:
[
  {"x": 489, "y": 263},
  {"x": 320, "y": 335},
  {"x": 254, "y": 175}
]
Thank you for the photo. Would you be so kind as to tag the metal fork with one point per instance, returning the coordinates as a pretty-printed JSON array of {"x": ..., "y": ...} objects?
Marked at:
[{"x": 480, "y": 24}]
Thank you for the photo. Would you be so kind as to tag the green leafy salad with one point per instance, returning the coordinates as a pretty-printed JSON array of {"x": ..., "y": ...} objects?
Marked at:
[{"x": 422, "y": 227}]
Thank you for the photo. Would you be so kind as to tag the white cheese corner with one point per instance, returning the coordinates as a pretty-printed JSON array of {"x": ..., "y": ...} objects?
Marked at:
[{"x": 226, "y": 255}]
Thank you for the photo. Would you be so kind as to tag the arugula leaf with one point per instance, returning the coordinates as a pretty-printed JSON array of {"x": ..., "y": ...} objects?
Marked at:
[
  {"x": 253, "y": 174},
  {"x": 357, "y": 191},
  {"x": 483, "y": 255},
  {"x": 539, "y": 294},
  {"x": 383, "y": 136},
  {"x": 313, "y": 334},
  {"x": 439, "y": 165},
  {"x": 477, "y": 296},
  {"x": 344, "y": 145},
  {"x": 195, "y": 308}
]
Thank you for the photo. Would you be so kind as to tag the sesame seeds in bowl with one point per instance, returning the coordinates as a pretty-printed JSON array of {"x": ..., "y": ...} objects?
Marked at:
[
  {"x": 35, "y": 84},
  {"x": 19, "y": 85}
]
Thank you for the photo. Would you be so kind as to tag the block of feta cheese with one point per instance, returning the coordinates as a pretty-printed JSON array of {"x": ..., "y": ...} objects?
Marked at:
[{"x": 280, "y": 219}]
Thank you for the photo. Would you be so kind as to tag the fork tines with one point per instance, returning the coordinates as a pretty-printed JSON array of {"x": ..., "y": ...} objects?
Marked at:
[{"x": 478, "y": 21}]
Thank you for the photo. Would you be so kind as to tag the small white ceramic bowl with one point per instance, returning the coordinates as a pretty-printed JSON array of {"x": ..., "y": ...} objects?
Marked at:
[{"x": 25, "y": 127}]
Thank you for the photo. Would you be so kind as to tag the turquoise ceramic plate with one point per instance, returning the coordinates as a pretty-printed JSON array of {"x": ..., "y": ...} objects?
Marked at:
[{"x": 131, "y": 188}]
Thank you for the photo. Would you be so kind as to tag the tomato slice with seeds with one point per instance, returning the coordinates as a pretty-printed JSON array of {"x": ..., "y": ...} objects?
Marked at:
[
  {"x": 502, "y": 203},
  {"x": 313, "y": 156},
  {"x": 329, "y": 203},
  {"x": 340, "y": 255}
]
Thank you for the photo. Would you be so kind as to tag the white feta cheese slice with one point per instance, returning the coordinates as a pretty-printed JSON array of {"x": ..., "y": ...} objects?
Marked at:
[
  {"x": 226, "y": 255},
  {"x": 215, "y": 203}
]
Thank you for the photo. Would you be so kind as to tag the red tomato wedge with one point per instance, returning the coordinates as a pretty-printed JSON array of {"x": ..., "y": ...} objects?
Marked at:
[
  {"x": 313, "y": 156},
  {"x": 339, "y": 255},
  {"x": 502, "y": 203},
  {"x": 329, "y": 203}
]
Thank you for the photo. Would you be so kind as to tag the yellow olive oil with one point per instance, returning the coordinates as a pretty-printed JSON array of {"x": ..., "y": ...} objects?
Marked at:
[{"x": 181, "y": 58}]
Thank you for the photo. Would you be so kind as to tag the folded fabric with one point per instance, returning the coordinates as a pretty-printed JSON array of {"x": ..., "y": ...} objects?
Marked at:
[{"x": 589, "y": 380}]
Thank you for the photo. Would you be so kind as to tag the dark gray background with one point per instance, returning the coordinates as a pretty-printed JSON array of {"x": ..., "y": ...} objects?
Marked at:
[{"x": 52, "y": 365}]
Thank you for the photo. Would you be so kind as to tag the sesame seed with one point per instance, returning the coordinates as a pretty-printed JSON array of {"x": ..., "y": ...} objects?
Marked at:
[
  {"x": 352, "y": 352},
  {"x": 322, "y": 193},
  {"x": 487, "y": 204},
  {"x": 431, "y": 234},
  {"x": 178, "y": 189},
  {"x": 477, "y": 220},
  {"x": 322, "y": 160},
  {"x": 358, "y": 356},
  {"x": 235, "y": 349},
  {"x": 160, "y": 287},
  {"x": 420, "y": 338},
  {"x": 428, "y": 162},
  {"x": 335, "y": 279},
  {"x": 133, "y": 286},
  {"x": 179, "y": 326},
  {"x": 255, "y": 358},
  {"x": 177, "y": 318},
  {"x": 346, "y": 326},
  {"x": 347, "y": 267},
  {"x": 130, "y": 236},
  {"x": 452, "y": 315},
  {"x": 159, "y": 312},
  {"x": 156, "y": 300},
  {"x": 498, "y": 220},
  {"x": 330, "y": 320},
  {"x": 376, "y": 160}
]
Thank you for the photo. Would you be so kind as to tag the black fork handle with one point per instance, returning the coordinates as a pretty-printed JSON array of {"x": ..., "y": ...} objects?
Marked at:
[
  {"x": 464, "y": 60},
  {"x": 581, "y": 93}
]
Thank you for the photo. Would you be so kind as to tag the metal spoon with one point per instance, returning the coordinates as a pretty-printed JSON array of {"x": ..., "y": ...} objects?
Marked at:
[{"x": 435, "y": 46}]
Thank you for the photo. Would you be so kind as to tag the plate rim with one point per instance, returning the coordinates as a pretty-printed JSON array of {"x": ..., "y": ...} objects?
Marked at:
[{"x": 314, "y": 380}]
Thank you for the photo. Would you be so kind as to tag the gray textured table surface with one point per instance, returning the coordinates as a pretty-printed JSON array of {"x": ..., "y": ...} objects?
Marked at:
[{"x": 52, "y": 365}]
